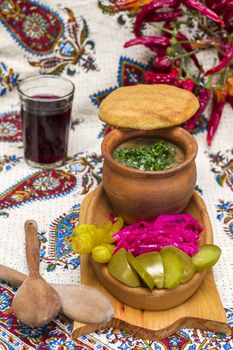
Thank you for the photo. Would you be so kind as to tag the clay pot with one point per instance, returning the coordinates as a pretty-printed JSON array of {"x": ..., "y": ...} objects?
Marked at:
[{"x": 137, "y": 194}]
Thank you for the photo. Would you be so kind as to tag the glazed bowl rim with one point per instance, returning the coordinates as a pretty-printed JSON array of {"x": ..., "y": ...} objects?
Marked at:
[{"x": 118, "y": 136}]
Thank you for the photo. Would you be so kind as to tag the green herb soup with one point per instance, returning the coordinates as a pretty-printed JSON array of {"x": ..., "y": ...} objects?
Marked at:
[{"x": 148, "y": 154}]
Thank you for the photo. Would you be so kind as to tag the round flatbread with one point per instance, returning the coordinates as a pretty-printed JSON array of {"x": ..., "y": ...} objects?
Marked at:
[{"x": 148, "y": 107}]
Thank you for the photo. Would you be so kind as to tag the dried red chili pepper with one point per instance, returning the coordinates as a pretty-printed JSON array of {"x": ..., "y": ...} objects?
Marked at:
[
  {"x": 152, "y": 42},
  {"x": 147, "y": 9},
  {"x": 151, "y": 77},
  {"x": 228, "y": 20},
  {"x": 197, "y": 5},
  {"x": 228, "y": 49},
  {"x": 188, "y": 47},
  {"x": 203, "y": 97},
  {"x": 164, "y": 16},
  {"x": 220, "y": 7},
  {"x": 161, "y": 50},
  {"x": 162, "y": 64},
  {"x": 167, "y": 25},
  {"x": 177, "y": 83},
  {"x": 210, "y": 3},
  {"x": 230, "y": 100},
  {"x": 216, "y": 7},
  {"x": 188, "y": 84},
  {"x": 216, "y": 113}
]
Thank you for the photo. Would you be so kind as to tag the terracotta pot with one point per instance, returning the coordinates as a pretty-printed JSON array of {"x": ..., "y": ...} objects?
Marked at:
[{"x": 137, "y": 194}]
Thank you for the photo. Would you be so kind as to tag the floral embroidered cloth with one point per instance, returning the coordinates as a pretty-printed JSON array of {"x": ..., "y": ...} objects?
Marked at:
[{"x": 83, "y": 40}]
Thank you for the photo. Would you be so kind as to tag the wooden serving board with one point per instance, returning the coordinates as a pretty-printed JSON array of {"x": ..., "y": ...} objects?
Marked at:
[{"x": 203, "y": 310}]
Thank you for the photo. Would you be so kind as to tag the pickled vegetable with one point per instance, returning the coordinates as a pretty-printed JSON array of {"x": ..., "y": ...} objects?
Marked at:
[
  {"x": 111, "y": 247},
  {"x": 120, "y": 269},
  {"x": 153, "y": 264},
  {"x": 189, "y": 269},
  {"x": 138, "y": 267},
  {"x": 207, "y": 257},
  {"x": 104, "y": 234},
  {"x": 84, "y": 243},
  {"x": 88, "y": 236},
  {"x": 83, "y": 228},
  {"x": 179, "y": 230},
  {"x": 173, "y": 269},
  {"x": 118, "y": 224},
  {"x": 101, "y": 254}
]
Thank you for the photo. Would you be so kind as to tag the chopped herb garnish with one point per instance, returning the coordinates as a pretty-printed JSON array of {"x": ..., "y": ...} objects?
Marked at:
[{"x": 157, "y": 156}]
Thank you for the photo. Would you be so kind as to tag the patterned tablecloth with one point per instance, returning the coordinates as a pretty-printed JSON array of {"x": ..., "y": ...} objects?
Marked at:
[{"x": 83, "y": 40}]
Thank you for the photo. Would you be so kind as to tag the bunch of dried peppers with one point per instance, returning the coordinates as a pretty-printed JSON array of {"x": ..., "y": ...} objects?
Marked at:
[{"x": 174, "y": 51}]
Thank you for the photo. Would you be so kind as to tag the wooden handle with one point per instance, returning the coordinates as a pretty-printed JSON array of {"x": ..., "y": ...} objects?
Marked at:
[
  {"x": 12, "y": 276},
  {"x": 32, "y": 246}
]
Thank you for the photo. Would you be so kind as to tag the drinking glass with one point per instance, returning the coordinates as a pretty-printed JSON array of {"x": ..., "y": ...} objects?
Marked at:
[{"x": 46, "y": 103}]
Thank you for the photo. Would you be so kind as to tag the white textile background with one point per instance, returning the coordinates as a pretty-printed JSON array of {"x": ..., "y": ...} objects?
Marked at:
[{"x": 109, "y": 38}]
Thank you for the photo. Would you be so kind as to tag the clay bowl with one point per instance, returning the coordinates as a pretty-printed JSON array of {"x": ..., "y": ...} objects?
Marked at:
[
  {"x": 139, "y": 297},
  {"x": 137, "y": 194}
]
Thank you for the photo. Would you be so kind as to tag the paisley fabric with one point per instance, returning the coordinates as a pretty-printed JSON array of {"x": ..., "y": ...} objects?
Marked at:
[
  {"x": 222, "y": 167},
  {"x": 55, "y": 249},
  {"x": 130, "y": 72},
  {"x": 76, "y": 48},
  {"x": 8, "y": 79},
  {"x": 39, "y": 186},
  {"x": 32, "y": 25},
  {"x": 10, "y": 127},
  {"x": 83, "y": 40},
  {"x": 7, "y": 162},
  {"x": 225, "y": 215}
]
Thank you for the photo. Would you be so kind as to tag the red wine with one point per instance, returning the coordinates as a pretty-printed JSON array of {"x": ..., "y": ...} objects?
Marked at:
[{"x": 45, "y": 129}]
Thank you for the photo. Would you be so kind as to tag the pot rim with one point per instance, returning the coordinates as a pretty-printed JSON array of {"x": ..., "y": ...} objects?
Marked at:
[{"x": 176, "y": 135}]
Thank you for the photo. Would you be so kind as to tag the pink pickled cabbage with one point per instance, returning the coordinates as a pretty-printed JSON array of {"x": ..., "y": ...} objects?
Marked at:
[{"x": 178, "y": 230}]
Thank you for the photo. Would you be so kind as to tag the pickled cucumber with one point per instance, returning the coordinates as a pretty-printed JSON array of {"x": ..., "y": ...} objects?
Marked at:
[
  {"x": 138, "y": 267},
  {"x": 207, "y": 257},
  {"x": 173, "y": 268},
  {"x": 120, "y": 269},
  {"x": 153, "y": 264},
  {"x": 189, "y": 269}
]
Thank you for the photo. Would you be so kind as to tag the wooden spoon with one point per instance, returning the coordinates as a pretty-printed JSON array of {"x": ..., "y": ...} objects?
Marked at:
[
  {"x": 79, "y": 303},
  {"x": 35, "y": 303}
]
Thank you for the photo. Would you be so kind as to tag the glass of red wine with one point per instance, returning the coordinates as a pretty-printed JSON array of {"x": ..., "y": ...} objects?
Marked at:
[{"x": 46, "y": 103}]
